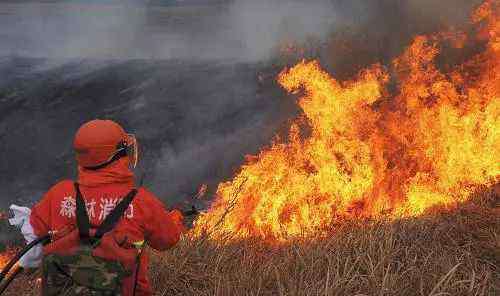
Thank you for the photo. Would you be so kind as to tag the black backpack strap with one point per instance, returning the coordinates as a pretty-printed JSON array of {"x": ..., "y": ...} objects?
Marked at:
[
  {"x": 116, "y": 214},
  {"x": 82, "y": 217}
]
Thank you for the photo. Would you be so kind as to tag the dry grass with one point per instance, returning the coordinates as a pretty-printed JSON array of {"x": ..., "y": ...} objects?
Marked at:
[{"x": 453, "y": 253}]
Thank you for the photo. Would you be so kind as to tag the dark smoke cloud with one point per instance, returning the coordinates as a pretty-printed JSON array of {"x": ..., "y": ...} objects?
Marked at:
[{"x": 377, "y": 31}]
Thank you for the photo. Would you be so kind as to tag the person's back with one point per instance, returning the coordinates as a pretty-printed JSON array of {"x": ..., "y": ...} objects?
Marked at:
[{"x": 104, "y": 180}]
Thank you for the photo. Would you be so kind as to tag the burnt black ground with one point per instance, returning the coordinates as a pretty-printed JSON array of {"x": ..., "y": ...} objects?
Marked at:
[{"x": 195, "y": 121}]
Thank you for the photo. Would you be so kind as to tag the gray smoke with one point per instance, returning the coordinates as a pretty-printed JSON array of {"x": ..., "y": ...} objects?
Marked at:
[
  {"x": 237, "y": 30},
  {"x": 263, "y": 26}
]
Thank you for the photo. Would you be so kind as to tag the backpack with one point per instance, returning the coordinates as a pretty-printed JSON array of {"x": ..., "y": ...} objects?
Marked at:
[{"x": 88, "y": 261}]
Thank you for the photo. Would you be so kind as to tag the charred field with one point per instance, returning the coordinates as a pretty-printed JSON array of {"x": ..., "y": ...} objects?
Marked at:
[{"x": 361, "y": 162}]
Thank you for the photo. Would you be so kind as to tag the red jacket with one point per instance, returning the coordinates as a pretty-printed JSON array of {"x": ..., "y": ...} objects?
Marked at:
[{"x": 145, "y": 220}]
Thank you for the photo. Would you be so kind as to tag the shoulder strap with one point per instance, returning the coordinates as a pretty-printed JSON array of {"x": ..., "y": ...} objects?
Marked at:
[
  {"x": 116, "y": 214},
  {"x": 82, "y": 218}
]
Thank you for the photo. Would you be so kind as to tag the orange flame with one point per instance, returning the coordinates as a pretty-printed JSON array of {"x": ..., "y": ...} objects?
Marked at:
[
  {"x": 3, "y": 261},
  {"x": 357, "y": 151},
  {"x": 5, "y": 257}
]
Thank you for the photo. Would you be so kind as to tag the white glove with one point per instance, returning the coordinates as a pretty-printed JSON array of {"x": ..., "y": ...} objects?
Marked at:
[{"x": 21, "y": 219}]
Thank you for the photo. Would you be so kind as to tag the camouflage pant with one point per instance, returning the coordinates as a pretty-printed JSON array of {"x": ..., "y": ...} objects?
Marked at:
[{"x": 81, "y": 274}]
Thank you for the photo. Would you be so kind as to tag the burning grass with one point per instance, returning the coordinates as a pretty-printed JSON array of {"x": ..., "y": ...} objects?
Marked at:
[
  {"x": 5, "y": 257},
  {"x": 448, "y": 253},
  {"x": 398, "y": 140}
]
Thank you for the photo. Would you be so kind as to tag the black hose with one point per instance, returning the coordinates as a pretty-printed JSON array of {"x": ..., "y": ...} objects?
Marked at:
[
  {"x": 10, "y": 278},
  {"x": 19, "y": 255}
]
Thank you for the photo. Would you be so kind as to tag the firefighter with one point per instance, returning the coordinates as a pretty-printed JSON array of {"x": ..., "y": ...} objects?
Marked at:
[{"x": 101, "y": 223}]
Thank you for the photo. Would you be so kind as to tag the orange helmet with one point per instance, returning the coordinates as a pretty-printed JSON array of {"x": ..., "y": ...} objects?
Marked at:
[{"x": 98, "y": 143}]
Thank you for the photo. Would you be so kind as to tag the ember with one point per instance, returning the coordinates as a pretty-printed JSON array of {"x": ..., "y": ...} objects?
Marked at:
[{"x": 360, "y": 150}]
